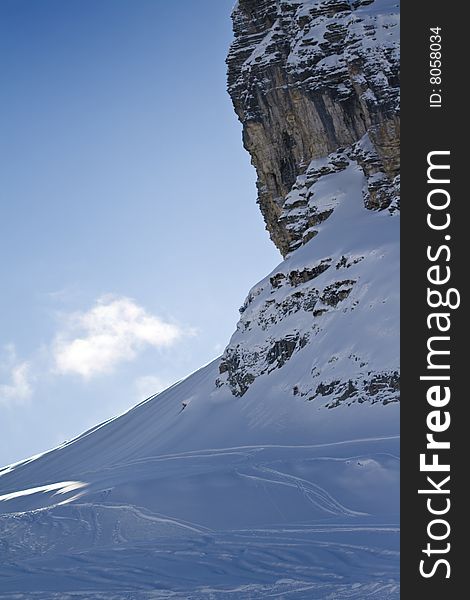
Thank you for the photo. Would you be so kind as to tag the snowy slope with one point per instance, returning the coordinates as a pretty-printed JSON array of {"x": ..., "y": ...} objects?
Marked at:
[
  {"x": 268, "y": 493},
  {"x": 312, "y": 507},
  {"x": 332, "y": 306},
  {"x": 274, "y": 470}
]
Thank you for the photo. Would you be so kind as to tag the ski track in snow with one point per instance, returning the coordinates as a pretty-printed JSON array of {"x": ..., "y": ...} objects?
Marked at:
[
  {"x": 315, "y": 494},
  {"x": 310, "y": 569},
  {"x": 236, "y": 520},
  {"x": 268, "y": 495},
  {"x": 284, "y": 589},
  {"x": 81, "y": 548}
]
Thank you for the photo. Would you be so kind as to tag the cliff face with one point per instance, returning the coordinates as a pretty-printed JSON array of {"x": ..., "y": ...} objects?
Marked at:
[
  {"x": 310, "y": 76},
  {"x": 315, "y": 85},
  {"x": 284, "y": 451}
]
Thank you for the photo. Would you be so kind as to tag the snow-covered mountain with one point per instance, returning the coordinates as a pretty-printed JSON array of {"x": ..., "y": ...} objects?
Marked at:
[{"x": 273, "y": 471}]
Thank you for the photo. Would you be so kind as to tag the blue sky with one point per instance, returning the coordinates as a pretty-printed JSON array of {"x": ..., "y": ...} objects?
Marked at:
[{"x": 129, "y": 231}]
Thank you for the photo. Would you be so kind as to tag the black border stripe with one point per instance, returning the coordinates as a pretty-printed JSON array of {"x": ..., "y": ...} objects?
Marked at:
[{"x": 426, "y": 129}]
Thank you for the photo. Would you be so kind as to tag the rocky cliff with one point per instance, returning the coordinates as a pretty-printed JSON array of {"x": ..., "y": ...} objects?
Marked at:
[
  {"x": 272, "y": 471},
  {"x": 307, "y": 77},
  {"x": 315, "y": 84}
]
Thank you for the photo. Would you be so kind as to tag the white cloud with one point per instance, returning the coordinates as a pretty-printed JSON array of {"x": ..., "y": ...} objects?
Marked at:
[
  {"x": 111, "y": 332},
  {"x": 18, "y": 389},
  {"x": 148, "y": 385}
]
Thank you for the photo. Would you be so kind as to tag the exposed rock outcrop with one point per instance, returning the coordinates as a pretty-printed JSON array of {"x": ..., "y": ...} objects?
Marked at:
[
  {"x": 307, "y": 77},
  {"x": 315, "y": 84},
  {"x": 273, "y": 471}
]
